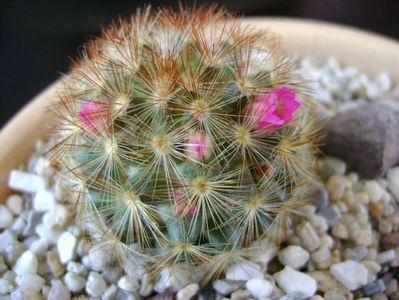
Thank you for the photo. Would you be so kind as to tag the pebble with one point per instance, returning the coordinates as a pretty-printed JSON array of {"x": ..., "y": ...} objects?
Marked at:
[
  {"x": 27, "y": 263},
  {"x": 6, "y": 217},
  {"x": 95, "y": 285},
  {"x": 293, "y": 256},
  {"x": 112, "y": 274},
  {"x": 147, "y": 286},
  {"x": 43, "y": 201},
  {"x": 329, "y": 166},
  {"x": 393, "y": 182},
  {"x": 340, "y": 231},
  {"x": 244, "y": 271},
  {"x": 33, "y": 219},
  {"x": 320, "y": 199},
  {"x": 362, "y": 237},
  {"x": 6, "y": 286},
  {"x": 188, "y": 292},
  {"x": 259, "y": 288},
  {"x": 77, "y": 268},
  {"x": 30, "y": 281},
  {"x": 110, "y": 293},
  {"x": 335, "y": 186},
  {"x": 291, "y": 280},
  {"x": 331, "y": 215},
  {"x": 240, "y": 295},
  {"x": 25, "y": 182},
  {"x": 39, "y": 247},
  {"x": 373, "y": 189},
  {"x": 101, "y": 257},
  {"x": 15, "y": 204},
  {"x": 334, "y": 295},
  {"x": 325, "y": 281},
  {"x": 390, "y": 241},
  {"x": 58, "y": 291},
  {"x": 374, "y": 288},
  {"x": 128, "y": 283},
  {"x": 386, "y": 256},
  {"x": 66, "y": 245},
  {"x": 225, "y": 287},
  {"x": 309, "y": 237},
  {"x": 54, "y": 263},
  {"x": 350, "y": 274},
  {"x": 74, "y": 282}
]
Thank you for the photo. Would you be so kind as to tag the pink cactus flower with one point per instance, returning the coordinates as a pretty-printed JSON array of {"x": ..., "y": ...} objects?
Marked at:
[
  {"x": 199, "y": 146},
  {"x": 273, "y": 110},
  {"x": 182, "y": 210},
  {"x": 95, "y": 115}
]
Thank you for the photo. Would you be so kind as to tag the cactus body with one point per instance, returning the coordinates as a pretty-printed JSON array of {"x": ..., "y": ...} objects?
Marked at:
[{"x": 184, "y": 138}]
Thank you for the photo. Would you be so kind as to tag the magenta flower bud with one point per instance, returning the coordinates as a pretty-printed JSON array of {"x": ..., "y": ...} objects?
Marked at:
[
  {"x": 273, "y": 110},
  {"x": 199, "y": 146},
  {"x": 95, "y": 115}
]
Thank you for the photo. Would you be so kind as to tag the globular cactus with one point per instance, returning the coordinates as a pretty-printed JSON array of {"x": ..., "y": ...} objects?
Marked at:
[{"x": 185, "y": 138}]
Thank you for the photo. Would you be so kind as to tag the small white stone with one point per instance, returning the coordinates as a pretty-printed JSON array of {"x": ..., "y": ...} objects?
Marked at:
[
  {"x": 350, "y": 274},
  {"x": 6, "y": 217},
  {"x": 110, "y": 293},
  {"x": 393, "y": 182},
  {"x": 244, "y": 271},
  {"x": 43, "y": 201},
  {"x": 15, "y": 203},
  {"x": 58, "y": 291},
  {"x": 291, "y": 280},
  {"x": 47, "y": 232},
  {"x": 385, "y": 256},
  {"x": 188, "y": 292},
  {"x": 259, "y": 288},
  {"x": 293, "y": 256},
  {"x": 77, "y": 268},
  {"x": 225, "y": 287},
  {"x": 30, "y": 281},
  {"x": 66, "y": 245},
  {"x": 173, "y": 279},
  {"x": 373, "y": 189},
  {"x": 95, "y": 285},
  {"x": 26, "y": 182},
  {"x": 128, "y": 284},
  {"x": 26, "y": 264},
  {"x": 307, "y": 234},
  {"x": 101, "y": 256},
  {"x": 6, "y": 286},
  {"x": 74, "y": 282},
  {"x": 39, "y": 247},
  {"x": 112, "y": 274},
  {"x": 264, "y": 251},
  {"x": 7, "y": 238}
]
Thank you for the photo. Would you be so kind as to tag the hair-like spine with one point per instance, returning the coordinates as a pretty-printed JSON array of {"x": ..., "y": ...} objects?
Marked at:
[{"x": 185, "y": 137}]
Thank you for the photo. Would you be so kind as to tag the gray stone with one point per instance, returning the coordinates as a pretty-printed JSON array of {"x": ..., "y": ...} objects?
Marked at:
[
  {"x": 366, "y": 138},
  {"x": 331, "y": 214}
]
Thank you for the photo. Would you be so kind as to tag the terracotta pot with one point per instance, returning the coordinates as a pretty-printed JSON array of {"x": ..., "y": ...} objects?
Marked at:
[{"x": 369, "y": 52}]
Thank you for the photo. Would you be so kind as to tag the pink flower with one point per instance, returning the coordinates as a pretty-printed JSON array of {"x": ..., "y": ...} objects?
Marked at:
[
  {"x": 182, "y": 209},
  {"x": 273, "y": 110},
  {"x": 199, "y": 145},
  {"x": 95, "y": 115}
]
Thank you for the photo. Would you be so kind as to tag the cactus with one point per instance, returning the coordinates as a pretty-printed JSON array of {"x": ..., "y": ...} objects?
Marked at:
[{"x": 185, "y": 138}]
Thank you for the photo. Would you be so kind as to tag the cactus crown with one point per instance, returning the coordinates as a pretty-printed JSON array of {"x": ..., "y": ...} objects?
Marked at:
[{"x": 184, "y": 137}]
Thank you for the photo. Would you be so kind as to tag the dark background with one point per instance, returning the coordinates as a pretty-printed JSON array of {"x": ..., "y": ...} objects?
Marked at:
[{"x": 38, "y": 38}]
